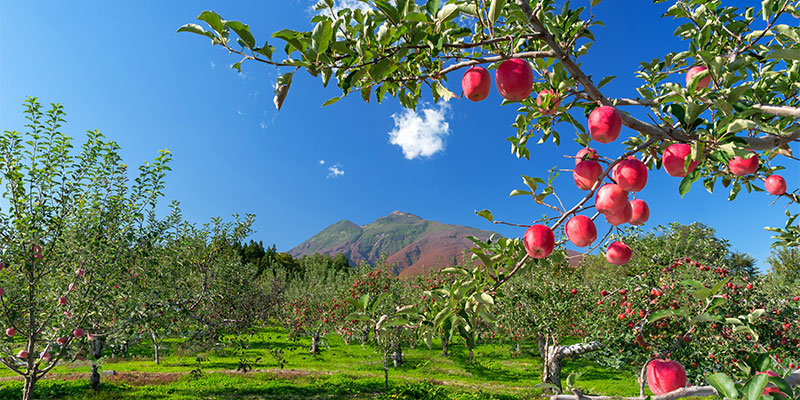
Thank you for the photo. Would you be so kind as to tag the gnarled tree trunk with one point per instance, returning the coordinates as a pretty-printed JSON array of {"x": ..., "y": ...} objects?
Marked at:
[
  {"x": 97, "y": 352},
  {"x": 27, "y": 388},
  {"x": 554, "y": 354},
  {"x": 444, "y": 347},
  {"x": 397, "y": 355},
  {"x": 156, "y": 347}
]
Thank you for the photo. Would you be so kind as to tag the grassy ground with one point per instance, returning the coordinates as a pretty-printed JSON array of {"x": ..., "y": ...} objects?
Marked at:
[{"x": 339, "y": 372}]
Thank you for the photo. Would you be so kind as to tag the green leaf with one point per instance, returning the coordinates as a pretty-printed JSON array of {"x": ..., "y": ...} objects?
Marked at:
[
  {"x": 605, "y": 80},
  {"x": 763, "y": 362},
  {"x": 432, "y": 6},
  {"x": 442, "y": 92},
  {"x": 388, "y": 10},
  {"x": 782, "y": 386},
  {"x": 331, "y": 101},
  {"x": 720, "y": 285},
  {"x": 518, "y": 192},
  {"x": 660, "y": 314},
  {"x": 213, "y": 20},
  {"x": 486, "y": 214},
  {"x": 243, "y": 31},
  {"x": 486, "y": 298},
  {"x": 701, "y": 294},
  {"x": 448, "y": 11},
  {"x": 755, "y": 315},
  {"x": 755, "y": 386},
  {"x": 194, "y": 28},
  {"x": 784, "y": 54},
  {"x": 724, "y": 385},
  {"x": 321, "y": 36},
  {"x": 494, "y": 9},
  {"x": 707, "y": 318}
]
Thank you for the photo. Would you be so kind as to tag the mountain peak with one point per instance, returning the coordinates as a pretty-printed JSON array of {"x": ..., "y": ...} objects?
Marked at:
[{"x": 403, "y": 214}]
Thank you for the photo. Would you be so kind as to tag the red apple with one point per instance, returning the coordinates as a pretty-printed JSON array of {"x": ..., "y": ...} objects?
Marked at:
[
  {"x": 61, "y": 341},
  {"x": 620, "y": 217},
  {"x": 703, "y": 83},
  {"x": 631, "y": 174},
  {"x": 640, "y": 212},
  {"x": 775, "y": 184},
  {"x": 743, "y": 166},
  {"x": 46, "y": 356},
  {"x": 476, "y": 83},
  {"x": 674, "y": 160},
  {"x": 610, "y": 199},
  {"x": 796, "y": 298},
  {"x": 80, "y": 272},
  {"x": 2, "y": 291},
  {"x": 71, "y": 287},
  {"x": 539, "y": 241},
  {"x": 586, "y": 153},
  {"x": 555, "y": 101},
  {"x": 62, "y": 301},
  {"x": 586, "y": 174},
  {"x": 664, "y": 376},
  {"x": 580, "y": 230},
  {"x": 605, "y": 124},
  {"x": 22, "y": 354},
  {"x": 11, "y": 332},
  {"x": 618, "y": 253},
  {"x": 514, "y": 79},
  {"x": 78, "y": 333}
]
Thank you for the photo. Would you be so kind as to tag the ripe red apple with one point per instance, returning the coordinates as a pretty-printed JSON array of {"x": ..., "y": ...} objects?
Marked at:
[
  {"x": 62, "y": 301},
  {"x": 539, "y": 241},
  {"x": 618, "y": 253},
  {"x": 514, "y": 79},
  {"x": 11, "y": 332},
  {"x": 775, "y": 184},
  {"x": 664, "y": 376},
  {"x": 581, "y": 231},
  {"x": 22, "y": 354},
  {"x": 631, "y": 174},
  {"x": 92, "y": 336},
  {"x": 703, "y": 83},
  {"x": 586, "y": 153},
  {"x": 743, "y": 166},
  {"x": 46, "y": 356},
  {"x": 61, "y": 341},
  {"x": 555, "y": 101},
  {"x": 476, "y": 83},
  {"x": 574, "y": 291},
  {"x": 610, "y": 199},
  {"x": 640, "y": 212},
  {"x": 78, "y": 332},
  {"x": 605, "y": 124},
  {"x": 586, "y": 174},
  {"x": 604, "y": 292},
  {"x": 80, "y": 272},
  {"x": 2, "y": 291},
  {"x": 620, "y": 217},
  {"x": 674, "y": 160},
  {"x": 71, "y": 287},
  {"x": 796, "y": 298}
]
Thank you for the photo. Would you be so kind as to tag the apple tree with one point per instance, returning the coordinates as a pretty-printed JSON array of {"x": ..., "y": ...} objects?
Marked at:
[
  {"x": 728, "y": 122},
  {"x": 70, "y": 229}
]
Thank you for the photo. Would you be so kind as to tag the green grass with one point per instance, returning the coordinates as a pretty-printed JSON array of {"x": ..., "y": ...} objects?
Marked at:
[{"x": 339, "y": 372}]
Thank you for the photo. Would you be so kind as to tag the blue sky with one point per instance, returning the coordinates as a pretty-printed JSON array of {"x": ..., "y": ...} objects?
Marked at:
[{"x": 122, "y": 69}]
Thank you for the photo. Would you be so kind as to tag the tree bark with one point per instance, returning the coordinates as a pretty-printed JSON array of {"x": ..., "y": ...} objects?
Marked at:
[
  {"x": 27, "y": 388},
  {"x": 397, "y": 356},
  {"x": 315, "y": 341},
  {"x": 444, "y": 347},
  {"x": 97, "y": 352},
  {"x": 156, "y": 347}
]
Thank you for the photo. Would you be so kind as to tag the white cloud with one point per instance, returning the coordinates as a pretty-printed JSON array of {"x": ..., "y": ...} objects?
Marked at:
[
  {"x": 321, "y": 162},
  {"x": 420, "y": 134},
  {"x": 213, "y": 65},
  {"x": 335, "y": 171},
  {"x": 263, "y": 124},
  {"x": 239, "y": 111}
]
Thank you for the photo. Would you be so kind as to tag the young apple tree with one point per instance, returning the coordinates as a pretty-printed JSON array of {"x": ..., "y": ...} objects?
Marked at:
[
  {"x": 722, "y": 109},
  {"x": 69, "y": 231}
]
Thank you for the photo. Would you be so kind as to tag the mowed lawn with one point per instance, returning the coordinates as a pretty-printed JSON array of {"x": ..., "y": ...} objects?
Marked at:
[{"x": 340, "y": 371}]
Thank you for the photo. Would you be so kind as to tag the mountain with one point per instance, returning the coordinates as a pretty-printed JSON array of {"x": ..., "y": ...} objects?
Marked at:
[{"x": 409, "y": 242}]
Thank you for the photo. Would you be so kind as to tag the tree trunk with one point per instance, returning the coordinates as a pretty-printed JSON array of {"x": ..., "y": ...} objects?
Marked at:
[
  {"x": 156, "y": 347},
  {"x": 315, "y": 341},
  {"x": 397, "y": 356},
  {"x": 27, "y": 388},
  {"x": 444, "y": 347},
  {"x": 97, "y": 352},
  {"x": 385, "y": 370},
  {"x": 551, "y": 360}
]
